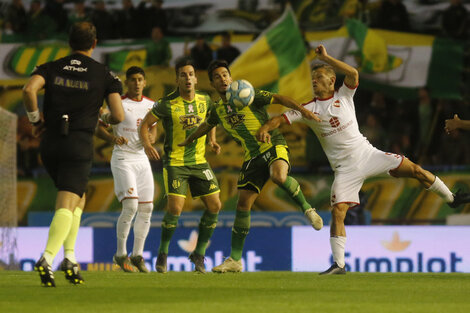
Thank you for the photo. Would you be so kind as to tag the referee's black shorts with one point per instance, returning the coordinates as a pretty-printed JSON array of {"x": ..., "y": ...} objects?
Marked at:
[{"x": 68, "y": 159}]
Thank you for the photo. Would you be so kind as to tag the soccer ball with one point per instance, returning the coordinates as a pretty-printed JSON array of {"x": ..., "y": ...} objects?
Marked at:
[{"x": 240, "y": 93}]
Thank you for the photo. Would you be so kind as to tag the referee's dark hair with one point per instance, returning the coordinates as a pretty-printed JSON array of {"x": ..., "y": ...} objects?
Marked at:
[
  {"x": 134, "y": 70},
  {"x": 82, "y": 36},
  {"x": 181, "y": 62},
  {"x": 216, "y": 64}
]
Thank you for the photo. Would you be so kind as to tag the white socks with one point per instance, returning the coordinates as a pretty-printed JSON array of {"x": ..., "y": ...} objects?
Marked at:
[
  {"x": 441, "y": 190},
  {"x": 129, "y": 208},
  {"x": 337, "y": 248},
  {"x": 141, "y": 227}
]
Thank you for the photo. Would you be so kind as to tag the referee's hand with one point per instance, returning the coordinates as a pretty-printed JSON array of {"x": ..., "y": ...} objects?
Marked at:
[{"x": 38, "y": 129}]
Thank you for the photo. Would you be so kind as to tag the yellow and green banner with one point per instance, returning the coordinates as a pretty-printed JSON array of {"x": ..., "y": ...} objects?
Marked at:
[{"x": 277, "y": 60}]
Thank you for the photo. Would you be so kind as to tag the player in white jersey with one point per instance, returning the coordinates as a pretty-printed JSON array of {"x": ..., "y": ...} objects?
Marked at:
[
  {"x": 133, "y": 178},
  {"x": 351, "y": 156}
]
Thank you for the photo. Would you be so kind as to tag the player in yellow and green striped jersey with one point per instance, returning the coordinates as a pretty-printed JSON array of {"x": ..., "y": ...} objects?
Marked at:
[
  {"x": 180, "y": 113},
  {"x": 262, "y": 160}
]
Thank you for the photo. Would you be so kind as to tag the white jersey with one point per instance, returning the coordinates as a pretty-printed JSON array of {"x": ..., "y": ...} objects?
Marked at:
[
  {"x": 338, "y": 132},
  {"x": 134, "y": 113}
]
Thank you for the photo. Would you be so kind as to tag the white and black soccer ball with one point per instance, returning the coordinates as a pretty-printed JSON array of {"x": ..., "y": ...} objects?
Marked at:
[{"x": 240, "y": 93}]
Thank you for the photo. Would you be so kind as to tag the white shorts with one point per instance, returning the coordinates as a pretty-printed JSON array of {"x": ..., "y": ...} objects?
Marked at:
[
  {"x": 347, "y": 185},
  {"x": 133, "y": 179}
]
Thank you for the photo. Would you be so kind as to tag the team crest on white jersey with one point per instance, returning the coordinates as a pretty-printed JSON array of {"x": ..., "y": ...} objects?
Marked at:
[{"x": 336, "y": 104}]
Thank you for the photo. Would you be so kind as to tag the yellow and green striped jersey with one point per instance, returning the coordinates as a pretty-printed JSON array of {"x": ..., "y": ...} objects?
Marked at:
[
  {"x": 243, "y": 124},
  {"x": 180, "y": 118}
]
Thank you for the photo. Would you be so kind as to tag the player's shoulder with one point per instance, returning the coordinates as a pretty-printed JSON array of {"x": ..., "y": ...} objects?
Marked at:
[
  {"x": 202, "y": 93},
  {"x": 169, "y": 97}
]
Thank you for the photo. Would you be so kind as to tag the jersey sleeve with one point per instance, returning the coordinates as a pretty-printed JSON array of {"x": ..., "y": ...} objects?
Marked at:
[
  {"x": 262, "y": 98},
  {"x": 159, "y": 109},
  {"x": 347, "y": 91},
  {"x": 41, "y": 70},
  {"x": 113, "y": 83},
  {"x": 292, "y": 116}
]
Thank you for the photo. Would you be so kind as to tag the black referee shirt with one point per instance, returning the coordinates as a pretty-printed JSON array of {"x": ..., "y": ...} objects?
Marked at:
[{"x": 76, "y": 85}]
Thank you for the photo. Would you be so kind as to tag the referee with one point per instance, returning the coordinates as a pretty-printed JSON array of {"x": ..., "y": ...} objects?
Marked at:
[{"x": 75, "y": 87}]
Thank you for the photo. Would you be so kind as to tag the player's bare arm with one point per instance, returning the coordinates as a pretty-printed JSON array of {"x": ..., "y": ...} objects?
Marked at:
[
  {"x": 147, "y": 122},
  {"x": 116, "y": 114},
  {"x": 30, "y": 99},
  {"x": 292, "y": 104},
  {"x": 202, "y": 130},
  {"x": 456, "y": 123},
  {"x": 263, "y": 135},
  {"x": 153, "y": 134},
  {"x": 103, "y": 133},
  {"x": 215, "y": 147},
  {"x": 352, "y": 75}
]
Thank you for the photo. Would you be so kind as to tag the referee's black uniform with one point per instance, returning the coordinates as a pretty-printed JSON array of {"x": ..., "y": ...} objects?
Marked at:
[{"x": 75, "y": 89}]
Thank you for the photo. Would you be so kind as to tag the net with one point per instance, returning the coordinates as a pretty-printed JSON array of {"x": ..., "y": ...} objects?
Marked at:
[{"x": 8, "y": 205}]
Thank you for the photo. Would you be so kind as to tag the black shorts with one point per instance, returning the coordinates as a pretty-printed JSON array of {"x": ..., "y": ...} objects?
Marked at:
[{"x": 68, "y": 159}]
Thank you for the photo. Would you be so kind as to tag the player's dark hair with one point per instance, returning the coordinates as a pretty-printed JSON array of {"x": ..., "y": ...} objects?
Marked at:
[
  {"x": 215, "y": 64},
  {"x": 328, "y": 68},
  {"x": 82, "y": 36},
  {"x": 134, "y": 70},
  {"x": 181, "y": 62}
]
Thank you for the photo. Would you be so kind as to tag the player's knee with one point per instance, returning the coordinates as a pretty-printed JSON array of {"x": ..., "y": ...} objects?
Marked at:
[
  {"x": 279, "y": 178},
  {"x": 130, "y": 205},
  {"x": 146, "y": 207},
  {"x": 338, "y": 215},
  {"x": 215, "y": 206}
]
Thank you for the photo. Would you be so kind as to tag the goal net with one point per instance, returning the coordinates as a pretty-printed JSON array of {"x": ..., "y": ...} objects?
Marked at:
[{"x": 8, "y": 205}]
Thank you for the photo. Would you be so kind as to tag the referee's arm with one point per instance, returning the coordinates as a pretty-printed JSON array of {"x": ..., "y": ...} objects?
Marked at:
[{"x": 116, "y": 115}]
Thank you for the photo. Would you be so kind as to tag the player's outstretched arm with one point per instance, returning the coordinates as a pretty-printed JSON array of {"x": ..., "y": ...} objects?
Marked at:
[
  {"x": 352, "y": 75},
  {"x": 148, "y": 121},
  {"x": 292, "y": 104},
  {"x": 203, "y": 129},
  {"x": 30, "y": 102},
  {"x": 116, "y": 114},
  {"x": 456, "y": 123},
  {"x": 263, "y": 135}
]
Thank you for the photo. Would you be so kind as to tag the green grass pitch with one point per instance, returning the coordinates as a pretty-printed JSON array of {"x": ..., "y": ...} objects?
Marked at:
[{"x": 245, "y": 292}]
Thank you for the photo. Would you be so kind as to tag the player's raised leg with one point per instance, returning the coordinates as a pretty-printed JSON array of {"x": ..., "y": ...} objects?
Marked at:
[
  {"x": 278, "y": 172},
  {"x": 431, "y": 182},
  {"x": 337, "y": 239},
  {"x": 241, "y": 228}
]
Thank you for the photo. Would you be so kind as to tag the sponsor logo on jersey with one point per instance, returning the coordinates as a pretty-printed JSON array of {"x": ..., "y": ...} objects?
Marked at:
[
  {"x": 175, "y": 184},
  {"x": 190, "y": 121},
  {"x": 202, "y": 108},
  {"x": 75, "y": 62},
  {"x": 334, "y": 122},
  {"x": 70, "y": 83},
  {"x": 75, "y": 68},
  {"x": 235, "y": 119},
  {"x": 130, "y": 191},
  {"x": 336, "y": 103}
]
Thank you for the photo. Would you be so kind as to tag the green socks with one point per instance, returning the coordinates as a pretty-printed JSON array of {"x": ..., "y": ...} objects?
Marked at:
[
  {"x": 69, "y": 243},
  {"x": 241, "y": 228},
  {"x": 169, "y": 224},
  {"x": 206, "y": 229},
  {"x": 292, "y": 187},
  {"x": 58, "y": 231}
]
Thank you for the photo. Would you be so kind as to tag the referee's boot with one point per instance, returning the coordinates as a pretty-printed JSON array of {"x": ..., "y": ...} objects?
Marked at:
[
  {"x": 334, "y": 270},
  {"x": 198, "y": 261},
  {"x": 459, "y": 198},
  {"x": 314, "y": 219},
  {"x": 45, "y": 272},
  {"x": 72, "y": 274},
  {"x": 160, "y": 265}
]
